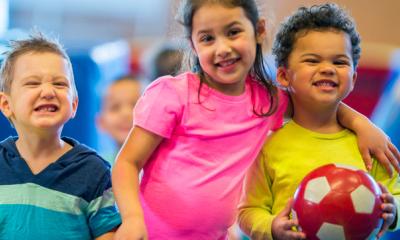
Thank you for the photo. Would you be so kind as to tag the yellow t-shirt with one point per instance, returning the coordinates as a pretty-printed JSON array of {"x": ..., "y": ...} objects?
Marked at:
[{"x": 287, "y": 157}]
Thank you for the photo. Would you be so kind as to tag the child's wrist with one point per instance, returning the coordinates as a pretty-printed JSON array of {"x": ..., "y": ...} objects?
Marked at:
[{"x": 360, "y": 123}]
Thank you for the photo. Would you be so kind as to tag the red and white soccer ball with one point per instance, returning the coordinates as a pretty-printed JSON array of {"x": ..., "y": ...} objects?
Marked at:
[{"x": 338, "y": 202}]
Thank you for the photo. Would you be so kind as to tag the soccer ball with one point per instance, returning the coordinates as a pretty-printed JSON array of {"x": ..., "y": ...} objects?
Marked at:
[{"x": 338, "y": 202}]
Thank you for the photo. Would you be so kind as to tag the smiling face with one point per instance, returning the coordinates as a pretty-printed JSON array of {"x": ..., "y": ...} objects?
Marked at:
[
  {"x": 116, "y": 117},
  {"x": 224, "y": 40},
  {"x": 41, "y": 95},
  {"x": 320, "y": 69}
]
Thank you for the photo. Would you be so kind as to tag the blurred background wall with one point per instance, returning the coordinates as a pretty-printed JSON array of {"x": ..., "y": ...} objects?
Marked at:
[{"x": 109, "y": 38}]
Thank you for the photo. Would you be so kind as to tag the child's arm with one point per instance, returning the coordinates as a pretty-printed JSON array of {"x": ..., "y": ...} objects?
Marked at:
[
  {"x": 106, "y": 236},
  {"x": 134, "y": 153},
  {"x": 371, "y": 139},
  {"x": 255, "y": 217},
  {"x": 255, "y": 210}
]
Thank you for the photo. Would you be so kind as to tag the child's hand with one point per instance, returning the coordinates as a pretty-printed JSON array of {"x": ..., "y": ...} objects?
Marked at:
[
  {"x": 282, "y": 225},
  {"x": 389, "y": 210},
  {"x": 373, "y": 141},
  {"x": 131, "y": 229}
]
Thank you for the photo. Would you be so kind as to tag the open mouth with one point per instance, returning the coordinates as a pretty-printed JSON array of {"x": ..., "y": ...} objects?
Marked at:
[
  {"x": 227, "y": 63},
  {"x": 325, "y": 83},
  {"x": 46, "y": 108}
]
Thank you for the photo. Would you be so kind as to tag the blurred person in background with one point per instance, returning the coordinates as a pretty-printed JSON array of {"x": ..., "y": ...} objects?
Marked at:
[{"x": 116, "y": 111}]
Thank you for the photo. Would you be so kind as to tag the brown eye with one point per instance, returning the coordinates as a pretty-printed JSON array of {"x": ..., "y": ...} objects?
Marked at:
[
  {"x": 206, "y": 38},
  {"x": 233, "y": 32}
]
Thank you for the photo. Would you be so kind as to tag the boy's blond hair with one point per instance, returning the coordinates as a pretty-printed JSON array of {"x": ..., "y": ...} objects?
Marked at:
[{"x": 36, "y": 43}]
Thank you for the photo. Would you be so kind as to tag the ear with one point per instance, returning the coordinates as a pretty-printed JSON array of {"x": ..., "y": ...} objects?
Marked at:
[
  {"x": 5, "y": 105},
  {"x": 261, "y": 31},
  {"x": 282, "y": 77},
  {"x": 74, "y": 106}
]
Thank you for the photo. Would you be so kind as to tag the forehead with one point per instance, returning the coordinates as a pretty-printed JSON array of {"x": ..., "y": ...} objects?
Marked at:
[
  {"x": 123, "y": 89},
  {"x": 41, "y": 63},
  {"x": 211, "y": 16},
  {"x": 323, "y": 41}
]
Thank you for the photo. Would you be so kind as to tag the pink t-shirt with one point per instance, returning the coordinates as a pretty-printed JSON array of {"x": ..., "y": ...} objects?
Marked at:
[{"x": 192, "y": 182}]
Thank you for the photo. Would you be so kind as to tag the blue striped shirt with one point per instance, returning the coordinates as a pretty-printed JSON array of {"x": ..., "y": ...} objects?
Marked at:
[{"x": 69, "y": 199}]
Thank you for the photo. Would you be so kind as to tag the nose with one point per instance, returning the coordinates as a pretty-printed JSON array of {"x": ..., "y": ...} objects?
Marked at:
[
  {"x": 47, "y": 91},
  {"x": 327, "y": 69},
  {"x": 127, "y": 111},
  {"x": 223, "y": 48}
]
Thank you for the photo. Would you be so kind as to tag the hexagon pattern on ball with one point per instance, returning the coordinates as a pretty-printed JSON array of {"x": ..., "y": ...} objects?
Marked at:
[{"x": 338, "y": 202}]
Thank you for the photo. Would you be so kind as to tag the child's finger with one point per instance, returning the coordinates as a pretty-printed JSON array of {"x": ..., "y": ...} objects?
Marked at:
[
  {"x": 387, "y": 198},
  {"x": 395, "y": 152},
  {"x": 367, "y": 158},
  {"x": 393, "y": 160},
  {"x": 290, "y": 224},
  {"x": 295, "y": 235},
  {"x": 385, "y": 225},
  {"x": 388, "y": 208},
  {"x": 382, "y": 158},
  {"x": 286, "y": 211},
  {"x": 383, "y": 187}
]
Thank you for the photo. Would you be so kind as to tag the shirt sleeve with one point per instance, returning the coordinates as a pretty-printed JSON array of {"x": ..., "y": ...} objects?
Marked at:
[
  {"x": 159, "y": 109},
  {"x": 102, "y": 212},
  {"x": 393, "y": 186},
  {"x": 255, "y": 209}
]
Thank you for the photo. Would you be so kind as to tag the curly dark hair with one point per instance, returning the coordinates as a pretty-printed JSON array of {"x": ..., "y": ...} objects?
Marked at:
[{"x": 317, "y": 17}]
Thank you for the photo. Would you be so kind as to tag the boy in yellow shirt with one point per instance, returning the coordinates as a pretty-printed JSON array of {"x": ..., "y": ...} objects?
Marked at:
[{"x": 317, "y": 51}]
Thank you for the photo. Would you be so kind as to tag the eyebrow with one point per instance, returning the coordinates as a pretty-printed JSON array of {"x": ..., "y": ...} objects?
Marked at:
[
  {"x": 38, "y": 77},
  {"x": 225, "y": 27},
  {"x": 316, "y": 55}
]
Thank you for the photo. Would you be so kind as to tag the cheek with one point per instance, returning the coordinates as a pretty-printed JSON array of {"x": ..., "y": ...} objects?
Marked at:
[
  {"x": 247, "y": 46},
  {"x": 204, "y": 56}
]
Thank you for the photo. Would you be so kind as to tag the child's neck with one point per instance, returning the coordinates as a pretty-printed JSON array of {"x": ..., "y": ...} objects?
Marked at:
[
  {"x": 318, "y": 121},
  {"x": 40, "y": 151}
]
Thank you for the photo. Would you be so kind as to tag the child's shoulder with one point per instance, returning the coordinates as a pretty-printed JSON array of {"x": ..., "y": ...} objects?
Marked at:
[
  {"x": 84, "y": 156},
  {"x": 180, "y": 81},
  {"x": 8, "y": 146},
  {"x": 173, "y": 88}
]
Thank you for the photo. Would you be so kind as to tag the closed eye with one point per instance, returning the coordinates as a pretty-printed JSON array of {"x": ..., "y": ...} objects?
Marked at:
[
  {"x": 342, "y": 62},
  {"x": 311, "y": 60},
  {"x": 32, "y": 83},
  {"x": 61, "y": 84}
]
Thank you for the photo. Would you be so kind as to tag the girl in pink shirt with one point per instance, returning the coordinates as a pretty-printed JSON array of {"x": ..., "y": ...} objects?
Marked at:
[{"x": 196, "y": 134}]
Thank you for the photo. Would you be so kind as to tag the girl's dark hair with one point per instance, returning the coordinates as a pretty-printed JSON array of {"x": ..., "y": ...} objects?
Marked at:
[
  {"x": 259, "y": 70},
  {"x": 318, "y": 17}
]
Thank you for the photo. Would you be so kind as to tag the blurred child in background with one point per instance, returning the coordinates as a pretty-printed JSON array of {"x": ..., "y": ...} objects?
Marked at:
[
  {"x": 116, "y": 111},
  {"x": 162, "y": 59}
]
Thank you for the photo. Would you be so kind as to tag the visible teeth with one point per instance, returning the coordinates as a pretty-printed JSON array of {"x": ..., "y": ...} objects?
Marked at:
[
  {"x": 325, "y": 84},
  {"x": 226, "y": 63},
  {"x": 47, "y": 109}
]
